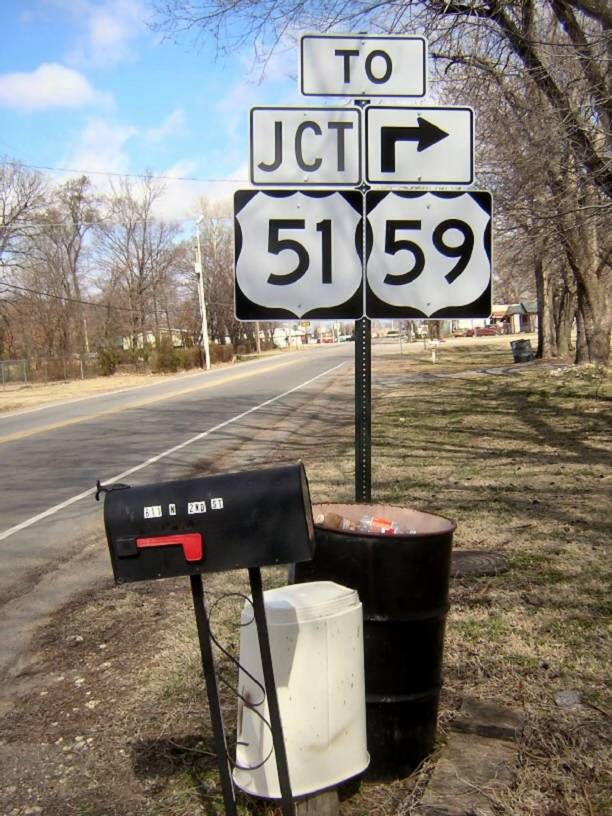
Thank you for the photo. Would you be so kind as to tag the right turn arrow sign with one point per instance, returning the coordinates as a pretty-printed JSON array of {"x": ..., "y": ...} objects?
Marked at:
[
  {"x": 419, "y": 145},
  {"x": 425, "y": 135}
]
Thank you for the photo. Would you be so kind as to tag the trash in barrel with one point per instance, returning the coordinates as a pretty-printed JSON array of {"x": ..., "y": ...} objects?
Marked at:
[
  {"x": 316, "y": 639},
  {"x": 522, "y": 351},
  {"x": 399, "y": 562}
]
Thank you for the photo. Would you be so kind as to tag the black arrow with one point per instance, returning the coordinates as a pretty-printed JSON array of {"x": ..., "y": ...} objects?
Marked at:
[{"x": 425, "y": 134}]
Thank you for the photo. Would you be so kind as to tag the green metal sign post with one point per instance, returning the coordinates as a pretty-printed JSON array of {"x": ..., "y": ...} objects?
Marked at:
[{"x": 363, "y": 410}]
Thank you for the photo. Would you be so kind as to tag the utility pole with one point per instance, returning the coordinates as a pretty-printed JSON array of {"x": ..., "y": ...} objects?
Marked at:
[
  {"x": 257, "y": 340},
  {"x": 85, "y": 335},
  {"x": 200, "y": 276}
]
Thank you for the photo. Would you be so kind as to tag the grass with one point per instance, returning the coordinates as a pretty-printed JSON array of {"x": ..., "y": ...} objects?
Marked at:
[{"x": 522, "y": 463}]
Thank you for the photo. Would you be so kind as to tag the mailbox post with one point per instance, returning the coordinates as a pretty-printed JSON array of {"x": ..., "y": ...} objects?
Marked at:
[{"x": 217, "y": 523}]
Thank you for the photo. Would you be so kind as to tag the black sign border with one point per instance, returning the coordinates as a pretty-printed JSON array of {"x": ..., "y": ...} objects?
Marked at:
[
  {"x": 351, "y": 309},
  {"x": 419, "y": 182},
  {"x": 480, "y": 308},
  {"x": 306, "y": 185},
  {"x": 364, "y": 37}
]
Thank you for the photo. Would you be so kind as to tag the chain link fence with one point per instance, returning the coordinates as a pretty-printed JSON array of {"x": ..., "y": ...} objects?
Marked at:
[
  {"x": 13, "y": 372},
  {"x": 48, "y": 369}
]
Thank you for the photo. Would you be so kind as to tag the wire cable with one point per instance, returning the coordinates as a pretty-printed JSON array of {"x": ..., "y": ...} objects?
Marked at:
[
  {"x": 116, "y": 174},
  {"x": 252, "y": 706}
]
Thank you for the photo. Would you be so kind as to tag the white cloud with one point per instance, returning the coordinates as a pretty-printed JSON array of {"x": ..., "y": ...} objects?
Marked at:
[
  {"x": 101, "y": 148},
  {"x": 173, "y": 125},
  {"x": 49, "y": 86},
  {"x": 274, "y": 84},
  {"x": 110, "y": 31},
  {"x": 179, "y": 198}
]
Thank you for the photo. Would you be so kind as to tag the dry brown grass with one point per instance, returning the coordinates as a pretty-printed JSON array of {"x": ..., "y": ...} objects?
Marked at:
[
  {"x": 521, "y": 462},
  {"x": 33, "y": 395}
]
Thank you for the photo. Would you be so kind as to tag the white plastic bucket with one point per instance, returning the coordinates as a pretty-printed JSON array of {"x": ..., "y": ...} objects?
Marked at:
[{"x": 316, "y": 639}]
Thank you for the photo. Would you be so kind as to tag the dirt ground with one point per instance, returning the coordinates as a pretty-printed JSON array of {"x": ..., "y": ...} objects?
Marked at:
[
  {"x": 25, "y": 397},
  {"x": 116, "y": 721}
]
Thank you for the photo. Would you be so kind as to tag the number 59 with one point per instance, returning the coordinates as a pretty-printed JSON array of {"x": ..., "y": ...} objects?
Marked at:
[{"x": 462, "y": 251}]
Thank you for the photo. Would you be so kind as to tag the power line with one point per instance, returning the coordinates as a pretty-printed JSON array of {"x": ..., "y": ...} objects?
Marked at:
[
  {"x": 69, "y": 299},
  {"x": 99, "y": 221},
  {"x": 124, "y": 175},
  {"x": 89, "y": 302},
  {"x": 110, "y": 220}
]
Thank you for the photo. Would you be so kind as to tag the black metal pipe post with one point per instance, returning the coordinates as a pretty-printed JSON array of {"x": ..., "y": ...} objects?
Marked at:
[
  {"x": 212, "y": 689},
  {"x": 363, "y": 410},
  {"x": 278, "y": 741}
]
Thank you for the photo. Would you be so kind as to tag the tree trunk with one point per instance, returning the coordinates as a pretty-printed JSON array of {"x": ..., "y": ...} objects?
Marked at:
[
  {"x": 594, "y": 307},
  {"x": 582, "y": 351},
  {"x": 565, "y": 312},
  {"x": 593, "y": 275},
  {"x": 547, "y": 340}
]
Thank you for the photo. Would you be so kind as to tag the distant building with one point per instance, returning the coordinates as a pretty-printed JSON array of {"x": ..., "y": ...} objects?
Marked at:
[
  {"x": 516, "y": 317},
  {"x": 132, "y": 342},
  {"x": 289, "y": 336}
]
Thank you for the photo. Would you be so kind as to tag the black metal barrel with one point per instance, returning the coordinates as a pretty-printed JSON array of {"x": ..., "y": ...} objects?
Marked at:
[
  {"x": 522, "y": 351},
  {"x": 402, "y": 581}
]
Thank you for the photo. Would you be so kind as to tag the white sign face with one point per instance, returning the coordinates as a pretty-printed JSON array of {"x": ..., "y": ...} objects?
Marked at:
[
  {"x": 305, "y": 146},
  {"x": 356, "y": 66},
  {"x": 419, "y": 145},
  {"x": 298, "y": 253},
  {"x": 429, "y": 255}
]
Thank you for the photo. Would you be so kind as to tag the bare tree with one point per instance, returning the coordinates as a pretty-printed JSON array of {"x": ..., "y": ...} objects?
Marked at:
[
  {"x": 136, "y": 253},
  {"x": 217, "y": 244},
  {"x": 57, "y": 259},
  {"x": 22, "y": 195}
]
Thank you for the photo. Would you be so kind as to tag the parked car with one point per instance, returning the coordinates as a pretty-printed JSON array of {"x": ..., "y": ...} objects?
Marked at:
[
  {"x": 488, "y": 331},
  {"x": 491, "y": 330}
]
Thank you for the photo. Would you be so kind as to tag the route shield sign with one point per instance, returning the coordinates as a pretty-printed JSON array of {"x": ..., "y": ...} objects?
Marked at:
[
  {"x": 306, "y": 146},
  {"x": 298, "y": 254},
  {"x": 428, "y": 254},
  {"x": 361, "y": 66},
  {"x": 419, "y": 145}
]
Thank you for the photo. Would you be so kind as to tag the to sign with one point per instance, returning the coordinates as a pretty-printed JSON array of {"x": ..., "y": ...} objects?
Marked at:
[
  {"x": 362, "y": 66},
  {"x": 419, "y": 145},
  {"x": 305, "y": 146},
  {"x": 429, "y": 255},
  {"x": 298, "y": 254}
]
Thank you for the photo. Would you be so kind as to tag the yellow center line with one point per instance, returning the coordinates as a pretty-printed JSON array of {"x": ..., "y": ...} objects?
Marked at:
[{"x": 142, "y": 403}]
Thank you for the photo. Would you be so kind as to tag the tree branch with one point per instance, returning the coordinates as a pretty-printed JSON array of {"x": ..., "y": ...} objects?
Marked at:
[{"x": 579, "y": 139}]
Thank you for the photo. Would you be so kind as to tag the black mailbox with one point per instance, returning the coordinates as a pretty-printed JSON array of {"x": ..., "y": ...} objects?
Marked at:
[{"x": 229, "y": 521}]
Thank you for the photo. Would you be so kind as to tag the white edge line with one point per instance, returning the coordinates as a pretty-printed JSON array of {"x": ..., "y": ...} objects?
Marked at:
[{"x": 57, "y": 507}]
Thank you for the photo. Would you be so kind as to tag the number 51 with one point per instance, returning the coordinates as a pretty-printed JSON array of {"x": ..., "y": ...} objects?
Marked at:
[{"x": 276, "y": 245}]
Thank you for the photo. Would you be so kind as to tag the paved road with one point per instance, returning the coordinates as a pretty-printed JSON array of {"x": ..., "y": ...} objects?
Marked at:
[{"x": 50, "y": 526}]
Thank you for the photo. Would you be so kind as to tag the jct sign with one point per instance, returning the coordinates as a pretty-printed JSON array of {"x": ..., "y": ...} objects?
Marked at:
[
  {"x": 362, "y": 66},
  {"x": 300, "y": 254},
  {"x": 305, "y": 146}
]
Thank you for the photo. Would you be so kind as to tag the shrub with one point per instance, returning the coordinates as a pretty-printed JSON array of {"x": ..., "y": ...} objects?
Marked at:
[
  {"x": 165, "y": 358},
  {"x": 108, "y": 359},
  {"x": 221, "y": 353},
  {"x": 189, "y": 357}
]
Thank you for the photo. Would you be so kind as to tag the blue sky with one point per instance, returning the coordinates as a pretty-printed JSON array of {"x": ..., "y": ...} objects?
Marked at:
[{"x": 86, "y": 84}]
